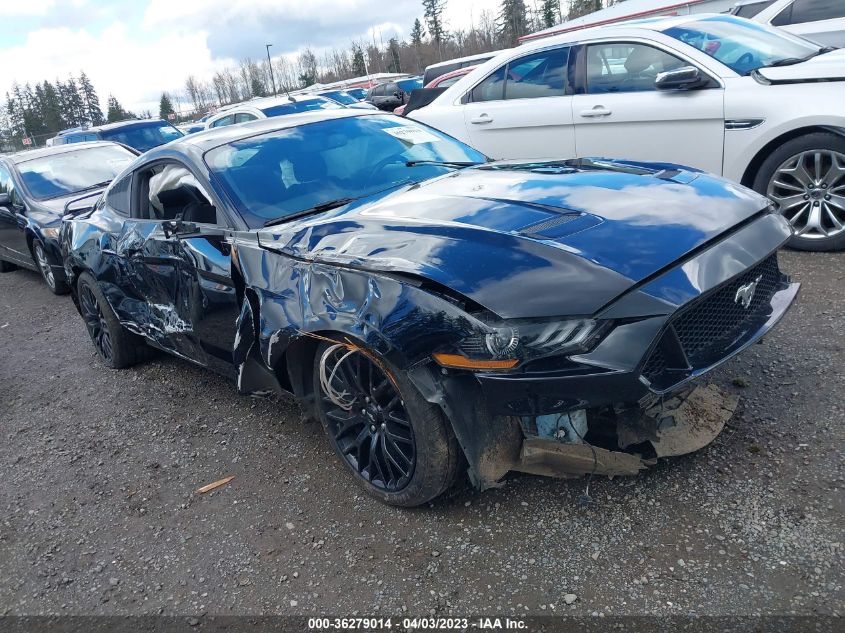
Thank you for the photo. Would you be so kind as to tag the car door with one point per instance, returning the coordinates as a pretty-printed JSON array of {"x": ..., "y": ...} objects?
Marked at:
[
  {"x": 13, "y": 246},
  {"x": 822, "y": 21},
  {"x": 176, "y": 249},
  {"x": 523, "y": 109},
  {"x": 621, "y": 114}
]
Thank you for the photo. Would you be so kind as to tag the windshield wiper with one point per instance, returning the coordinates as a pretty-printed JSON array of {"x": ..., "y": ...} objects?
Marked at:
[
  {"x": 444, "y": 163},
  {"x": 325, "y": 206},
  {"x": 789, "y": 61}
]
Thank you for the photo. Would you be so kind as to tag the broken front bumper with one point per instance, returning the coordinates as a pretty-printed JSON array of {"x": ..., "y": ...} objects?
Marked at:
[{"x": 627, "y": 385}]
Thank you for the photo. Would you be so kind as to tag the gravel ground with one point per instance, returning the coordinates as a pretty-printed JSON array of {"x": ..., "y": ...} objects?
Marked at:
[{"x": 99, "y": 515}]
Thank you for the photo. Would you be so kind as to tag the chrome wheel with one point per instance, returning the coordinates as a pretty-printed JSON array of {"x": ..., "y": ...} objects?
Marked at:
[
  {"x": 366, "y": 419},
  {"x": 95, "y": 322},
  {"x": 44, "y": 265},
  {"x": 809, "y": 190}
]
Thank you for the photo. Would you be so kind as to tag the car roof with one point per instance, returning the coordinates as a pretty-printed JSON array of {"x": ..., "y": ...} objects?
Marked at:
[
  {"x": 218, "y": 136},
  {"x": 110, "y": 126},
  {"x": 468, "y": 58},
  {"x": 31, "y": 154}
]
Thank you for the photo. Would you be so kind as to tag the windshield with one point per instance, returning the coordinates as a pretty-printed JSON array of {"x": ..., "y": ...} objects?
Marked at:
[
  {"x": 358, "y": 93},
  {"x": 73, "y": 172},
  {"x": 300, "y": 105},
  {"x": 143, "y": 136},
  {"x": 341, "y": 97},
  {"x": 409, "y": 84},
  {"x": 742, "y": 45},
  {"x": 287, "y": 171}
]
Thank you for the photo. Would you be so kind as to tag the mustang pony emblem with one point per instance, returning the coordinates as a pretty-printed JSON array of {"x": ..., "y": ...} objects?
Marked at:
[{"x": 745, "y": 294}]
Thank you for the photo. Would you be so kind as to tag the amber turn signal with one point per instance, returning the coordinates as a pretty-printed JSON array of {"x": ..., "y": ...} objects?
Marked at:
[{"x": 462, "y": 362}]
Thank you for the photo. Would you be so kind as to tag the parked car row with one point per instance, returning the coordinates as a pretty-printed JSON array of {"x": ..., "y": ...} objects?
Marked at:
[{"x": 719, "y": 93}]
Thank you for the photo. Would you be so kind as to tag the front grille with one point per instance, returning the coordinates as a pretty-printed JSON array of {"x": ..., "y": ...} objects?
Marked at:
[{"x": 702, "y": 332}]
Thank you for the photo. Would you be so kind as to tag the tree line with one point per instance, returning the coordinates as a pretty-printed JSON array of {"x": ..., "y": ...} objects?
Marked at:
[
  {"x": 430, "y": 41},
  {"x": 40, "y": 111}
]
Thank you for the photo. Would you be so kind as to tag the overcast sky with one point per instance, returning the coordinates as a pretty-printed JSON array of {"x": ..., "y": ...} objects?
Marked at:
[{"x": 137, "y": 48}]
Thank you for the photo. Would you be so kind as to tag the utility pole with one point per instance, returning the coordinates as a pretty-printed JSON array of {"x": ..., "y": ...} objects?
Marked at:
[{"x": 270, "y": 66}]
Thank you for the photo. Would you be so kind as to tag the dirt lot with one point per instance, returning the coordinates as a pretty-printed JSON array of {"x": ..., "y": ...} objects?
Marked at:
[{"x": 98, "y": 513}]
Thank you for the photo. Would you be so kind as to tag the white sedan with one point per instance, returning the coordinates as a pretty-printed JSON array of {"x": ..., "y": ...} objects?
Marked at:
[
  {"x": 729, "y": 96},
  {"x": 266, "y": 107}
]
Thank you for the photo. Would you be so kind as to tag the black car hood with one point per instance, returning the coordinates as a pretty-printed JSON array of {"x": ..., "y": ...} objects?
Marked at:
[{"x": 528, "y": 240}]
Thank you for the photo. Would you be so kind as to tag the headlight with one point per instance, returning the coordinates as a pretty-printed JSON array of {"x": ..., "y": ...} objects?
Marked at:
[
  {"x": 506, "y": 345},
  {"x": 52, "y": 232}
]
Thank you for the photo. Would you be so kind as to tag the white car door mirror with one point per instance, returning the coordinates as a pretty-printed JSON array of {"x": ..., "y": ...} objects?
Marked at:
[{"x": 684, "y": 78}]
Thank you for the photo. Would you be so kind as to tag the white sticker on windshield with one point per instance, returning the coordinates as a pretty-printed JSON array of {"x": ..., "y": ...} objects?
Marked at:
[{"x": 412, "y": 134}]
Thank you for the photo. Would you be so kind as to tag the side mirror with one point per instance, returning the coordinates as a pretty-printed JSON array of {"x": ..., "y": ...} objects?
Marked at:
[
  {"x": 684, "y": 78},
  {"x": 177, "y": 228},
  {"x": 5, "y": 200}
]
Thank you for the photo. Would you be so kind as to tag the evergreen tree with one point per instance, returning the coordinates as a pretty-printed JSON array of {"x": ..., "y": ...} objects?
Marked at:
[
  {"x": 257, "y": 87},
  {"x": 165, "y": 106},
  {"x": 359, "y": 67},
  {"x": 75, "y": 112},
  {"x": 512, "y": 22},
  {"x": 394, "y": 64},
  {"x": 115, "y": 110},
  {"x": 550, "y": 12},
  {"x": 417, "y": 33},
  {"x": 434, "y": 20},
  {"x": 90, "y": 100},
  {"x": 52, "y": 109}
]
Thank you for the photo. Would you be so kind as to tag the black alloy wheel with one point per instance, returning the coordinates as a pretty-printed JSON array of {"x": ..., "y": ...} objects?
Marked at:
[
  {"x": 374, "y": 435},
  {"x": 95, "y": 322},
  {"x": 400, "y": 447}
]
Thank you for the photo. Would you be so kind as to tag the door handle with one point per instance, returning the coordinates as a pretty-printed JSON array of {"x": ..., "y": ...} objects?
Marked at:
[
  {"x": 596, "y": 111},
  {"x": 481, "y": 118}
]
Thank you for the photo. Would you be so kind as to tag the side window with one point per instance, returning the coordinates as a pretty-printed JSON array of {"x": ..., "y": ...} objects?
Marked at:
[
  {"x": 619, "y": 67},
  {"x": 170, "y": 191},
  {"x": 537, "y": 75},
  {"x": 492, "y": 88},
  {"x": 540, "y": 75},
  {"x": 802, "y": 11},
  {"x": 7, "y": 185},
  {"x": 751, "y": 9},
  {"x": 226, "y": 120},
  {"x": 119, "y": 197},
  {"x": 243, "y": 117}
]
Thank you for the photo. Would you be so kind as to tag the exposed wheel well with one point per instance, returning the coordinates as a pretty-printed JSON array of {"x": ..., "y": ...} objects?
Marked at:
[{"x": 751, "y": 171}]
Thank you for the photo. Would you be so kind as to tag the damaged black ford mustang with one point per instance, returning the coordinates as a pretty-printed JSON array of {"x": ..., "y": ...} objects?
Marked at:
[{"x": 435, "y": 311}]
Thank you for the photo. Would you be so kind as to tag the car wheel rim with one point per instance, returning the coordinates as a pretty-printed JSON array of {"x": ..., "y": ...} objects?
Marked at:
[
  {"x": 809, "y": 190},
  {"x": 44, "y": 266},
  {"x": 95, "y": 322},
  {"x": 374, "y": 435}
]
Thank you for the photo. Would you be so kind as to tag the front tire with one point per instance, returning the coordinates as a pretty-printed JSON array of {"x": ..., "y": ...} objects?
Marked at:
[
  {"x": 117, "y": 347},
  {"x": 805, "y": 178},
  {"x": 56, "y": 285},
  {"x": 399, "y": 447}
]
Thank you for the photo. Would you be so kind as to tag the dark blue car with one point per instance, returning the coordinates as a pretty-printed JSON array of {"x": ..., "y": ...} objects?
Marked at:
[
  {"x": 37, "y": 187},
  {"x": 142, "y": 135},
  {"x": 435, "y": 311}
]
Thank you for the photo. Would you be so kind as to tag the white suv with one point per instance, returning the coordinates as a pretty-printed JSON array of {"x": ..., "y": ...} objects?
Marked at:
[{"x": 729, "y": 96}]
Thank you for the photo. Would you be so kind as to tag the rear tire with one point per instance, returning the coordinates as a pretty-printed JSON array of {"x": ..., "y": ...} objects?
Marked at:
[
  {"x": 57, "y": 285},
  {"x": 402, "y": 463},
  {"x": 117, "y": 347},
  {"x": 805, "y": 177}
]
